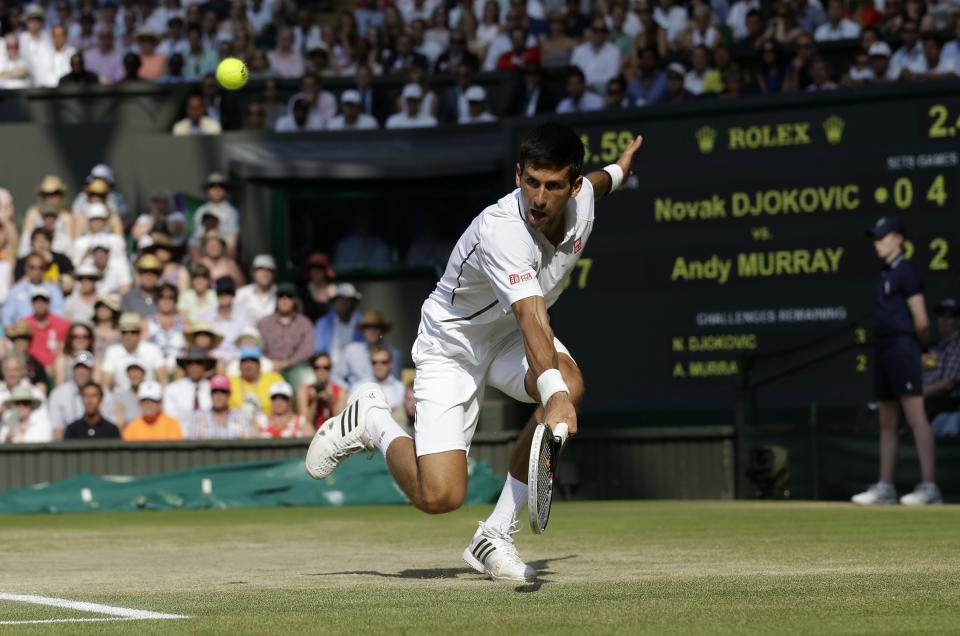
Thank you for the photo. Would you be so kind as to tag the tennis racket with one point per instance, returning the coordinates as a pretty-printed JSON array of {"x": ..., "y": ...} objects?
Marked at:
[{"x": 542, "y": 471}]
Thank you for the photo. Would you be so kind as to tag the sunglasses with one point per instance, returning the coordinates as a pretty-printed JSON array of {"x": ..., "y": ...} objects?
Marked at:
[
  {"x": 279, "y": 397},
  {"x": 78, "y": 336},
  {"x": 23, "y": 403},
  {"x": 380, "y": 362},
  {"x": 34, "y": 268},
  {"x": 322, "y": 367}
]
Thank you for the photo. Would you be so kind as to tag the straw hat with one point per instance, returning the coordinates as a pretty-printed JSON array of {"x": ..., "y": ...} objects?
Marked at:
[
  {"x": 373, "y": 318},
  {"x": 51, "y": 184},
  {"x": 190, "y": 333}
]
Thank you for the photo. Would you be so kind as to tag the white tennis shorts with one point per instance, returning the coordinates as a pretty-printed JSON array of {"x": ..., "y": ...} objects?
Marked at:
[{"x": 449, "y": 391}]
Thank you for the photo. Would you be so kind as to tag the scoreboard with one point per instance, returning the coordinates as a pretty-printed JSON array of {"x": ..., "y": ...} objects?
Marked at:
[{"x": 742, "y": 235}]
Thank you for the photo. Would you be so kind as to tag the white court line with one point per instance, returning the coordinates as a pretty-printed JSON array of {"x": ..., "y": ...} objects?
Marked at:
[
  {"x": 65, "y": 620},
  {"x": 82, "y": 606}
]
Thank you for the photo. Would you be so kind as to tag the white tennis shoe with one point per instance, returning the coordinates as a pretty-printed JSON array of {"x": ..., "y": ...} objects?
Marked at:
[
  {"x": 878, "y": 493},
  {"x": 344, "y": 434},
  {"x": 924, "y": 494},
  {"x": 493, "y": 552}
]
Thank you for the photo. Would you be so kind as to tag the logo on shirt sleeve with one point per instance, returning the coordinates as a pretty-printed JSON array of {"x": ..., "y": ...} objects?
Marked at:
[
  {"x": 578, "y": 245},
  {"x": 520, "y": 278}
]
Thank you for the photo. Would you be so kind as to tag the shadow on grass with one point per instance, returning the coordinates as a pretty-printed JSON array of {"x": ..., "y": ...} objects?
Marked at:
[{"x": 542, "y": 567}]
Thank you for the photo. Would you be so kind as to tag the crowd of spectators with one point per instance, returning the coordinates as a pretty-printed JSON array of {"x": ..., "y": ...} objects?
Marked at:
[
  {"x": 146, "y": 327},
  {"x": 615, "y": 53}
]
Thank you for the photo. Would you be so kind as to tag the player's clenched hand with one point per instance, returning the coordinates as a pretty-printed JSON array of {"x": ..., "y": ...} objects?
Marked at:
[
  {"x": 560, "y": 409},
  {"x": 626, "y": 159}
]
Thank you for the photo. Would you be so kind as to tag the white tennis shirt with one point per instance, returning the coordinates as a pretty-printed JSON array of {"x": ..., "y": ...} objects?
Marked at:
[{"x": 499, "y": 260}]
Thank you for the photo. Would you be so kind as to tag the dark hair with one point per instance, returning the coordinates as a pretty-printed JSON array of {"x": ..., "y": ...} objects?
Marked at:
[
  {"x": 41, "y": 231},
  {"x": 167, "y": 286},
  {"x": 318, "y": 355},
  {"x": 94, "y": 385},
  {"x": 931, "y": 35},
  {"x": 575, "y": 71},
  {"x": 380, "y": 348},
  {"x": 553, "y": 146}
]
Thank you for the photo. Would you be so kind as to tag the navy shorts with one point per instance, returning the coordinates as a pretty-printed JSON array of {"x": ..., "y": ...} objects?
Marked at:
[{"x": 898, "y": 370}]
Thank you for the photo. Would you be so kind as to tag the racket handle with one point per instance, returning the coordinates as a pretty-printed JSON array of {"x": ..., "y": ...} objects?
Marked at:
[{"x": 560, "y": 430}]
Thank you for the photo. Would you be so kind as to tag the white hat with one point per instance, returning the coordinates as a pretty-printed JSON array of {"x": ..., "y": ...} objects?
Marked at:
[
  {"x": 102, "y": 171},
  {"x": 87, "y": 270},
  {"x": 346, "y": 290},
  {"x": 412, "y": 91},
  {"x": 350, "y": 96},
  {"x": 144, "y": 242},
  {"x": 150, "y": 390},
  {"x": 881, "y": 49},
  {"x": 281, "y": 388},
  {"x": 97, "y": 211},
  {"x": 100, "y": 241},
  {"x": 136, "y": 362},
  {"x": 39, "y": 291},
  {"x": 476, "y": 94},
  {"x": 676, "y": 67},
  {"x": 264, "y": 261}
]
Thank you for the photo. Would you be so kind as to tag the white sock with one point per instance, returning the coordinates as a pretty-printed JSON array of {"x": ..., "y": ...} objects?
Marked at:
[
  {"x": 383, "y": 429},
  {"x": 512, "y": 499}
]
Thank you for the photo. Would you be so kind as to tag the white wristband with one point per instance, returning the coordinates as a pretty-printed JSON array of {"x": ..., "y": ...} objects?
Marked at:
[
  {"x": 616, "y": 175},
  {"x": 550, "y": 382}
]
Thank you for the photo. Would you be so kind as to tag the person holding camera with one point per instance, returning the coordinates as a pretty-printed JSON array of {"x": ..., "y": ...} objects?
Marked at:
[{"x": 323, "y": 398}]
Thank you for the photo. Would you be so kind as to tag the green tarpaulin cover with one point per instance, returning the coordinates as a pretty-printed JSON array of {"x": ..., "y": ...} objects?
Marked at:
[{"x": 257, "y": 484}]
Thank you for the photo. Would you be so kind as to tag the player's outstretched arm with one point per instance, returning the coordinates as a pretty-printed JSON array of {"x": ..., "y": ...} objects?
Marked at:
[
  {"x": 601, "y": 179},
  {"x": 531, "y": 314}
]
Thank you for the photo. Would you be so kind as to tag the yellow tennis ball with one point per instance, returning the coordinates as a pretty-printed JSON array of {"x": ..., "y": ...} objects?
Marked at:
[{"x": 232, "y": 73}]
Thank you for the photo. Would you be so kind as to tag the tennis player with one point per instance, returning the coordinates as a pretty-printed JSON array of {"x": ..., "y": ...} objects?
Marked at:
[{"x": 486, "y": 323}]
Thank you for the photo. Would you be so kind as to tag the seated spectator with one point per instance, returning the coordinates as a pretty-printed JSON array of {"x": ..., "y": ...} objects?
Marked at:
[
  {"x": 282, "y": 422},
  {"x": 185, "y": 398},
  {"x": 78, "y": 74},
  {"x": 701, "y": 78},
  {"x": 218, "y": 205},
  {"x": 19, "y": 302},
  {"x": 837, "y": 27},
  {"x": 908, "y": 57},
  {"x": 215, "y": 257},
  {"x": 196, "y": 122},
  {"x": 220, "y": 421},
  {"x": 519, "y": 55},
  {"x": 106, "y": 313},
  {"x": 935, "y": 64},
  {"x": 79, "y": 338},
  {"x": 597, "y": 58},
  {"x": 202, "y": 335},
  {"x": 99, "y": 189},
  {"x": 141, "y": 300},
  {"x": 20, "y": 366},
  {"x": 820, "y": 76},
  {"x": 250, "y": 390},
  {"x": 52, "y": 202},
  {"x": 131, "y": 69},
  {"x": 676, "y": 80},
  {"x": 318, "y": 289},
  {"x": 249, "y": 336},
  {"x": 78, "y": 307},
  {"x": 381, "y": 361},
  {"x": 198, "y": 59},
  {"x": 165, "y": 327},
  {"x": 456, "y": 55},
  {"x": 700, "y": 31},
  {"x": 860, "y": 72},
  {"x": 49, "y": 330},
  {"x": 126, "y": 403},
  {"x": 879, "y": 55},
  {"x": 533, "y": 97},
  {"x": 106, "y": 60},
  {"x": 362, "y": 248},
  {"x": 115, "y": 277},
  {"x": 255, "y": 118},
  {"x": 14, "y": 67},
  {"x": 285, "y": 61},
  {"x": 99, "y": 234},
  {"x": 93, "y": 424},
  {"x": 336, "y": 329},
  {"x": 65, "y": 404},
  {"x": 404, "y": 58},
  {"x": 322, "y": 104},
  {"x": 259, "y": 298},
  {"x": 411, "y": 116},
  {"x": 477, "y": 112},
  {"x": 616, "y": 95},
  {"x": 153, "y": 64},
  {"x": 200, "y": 298},
  {"x": 227, "y": 321},
  {"x": 323, "y": 398},
  {"x": 671, "y": 16},
  {"x": 153, "y": 425},
  {"x": 350, "y": 117},
  {"x": 173, "y": 271},
  {"x": 579, "y": 99},
  {"x": 941, "y": 365},
  {"x": 297, "y": 119},
  {"x": 287, "y": 334},
  {"x": 24, "y": 419},
  {"x": 773, "y": 73},
  {"x": 113, "y": 370},
  {"x": 356, "y": 355},
  {"x": 650, "y": 84},
  {"x": 557, "y": 47},
  {"x": 59, "y": 268},
  {"x": 372, "y": 101}
]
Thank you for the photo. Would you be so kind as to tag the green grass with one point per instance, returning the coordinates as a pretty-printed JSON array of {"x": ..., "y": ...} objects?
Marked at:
[{"x": 612, "y": 567}]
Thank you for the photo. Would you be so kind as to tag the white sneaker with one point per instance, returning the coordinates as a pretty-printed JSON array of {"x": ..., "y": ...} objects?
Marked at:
[
  {"x": 493, "y": 552},
  {"x": 878, "y": 493},
  {"x": 344, "y": 434},
  {"x": 924, "y": 494}
]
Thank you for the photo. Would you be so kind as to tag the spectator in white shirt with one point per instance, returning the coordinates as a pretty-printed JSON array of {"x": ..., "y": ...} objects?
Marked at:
[
  {"x": 25, "y": 418},
  {"x": 197, "y": 122},
  {"x": 477, "y": 107},
  {"x": 113, "y": 371},
  {"x": 597, "y": 58},
  {"x": 259, "y": 298},
  {"x": 296, "y": 118},
  {"x": 14, "y": 70},
  {"x": 410, "y": 116},
  {"x": 672, "y": 18},
  {"x": 185, "y": 398},
  {"x": 351, "y": 118},
  {"x": 579, "y": 99},
  {"x": 53, "y": 62},
  {"x": 836, "y": 27},
  {"x": 909, "y": 56},
  {"x": 260, "y": 14},
  {"x": 936, "y": 64},
  {"x": 34, "y": 42},
  {"x": 218, "y": 205}
]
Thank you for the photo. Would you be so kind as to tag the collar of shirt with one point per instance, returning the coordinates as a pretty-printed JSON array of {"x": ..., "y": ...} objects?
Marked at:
[
  {"x": 894, "y": 263},
  {"x": 570, "y": 221}
]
